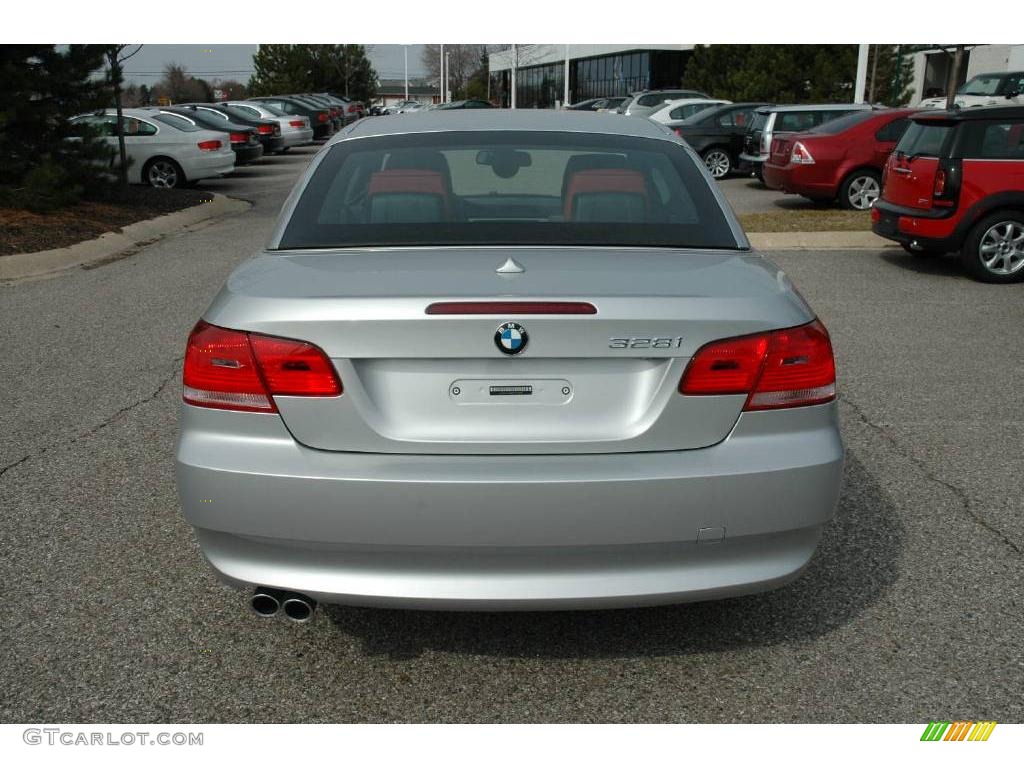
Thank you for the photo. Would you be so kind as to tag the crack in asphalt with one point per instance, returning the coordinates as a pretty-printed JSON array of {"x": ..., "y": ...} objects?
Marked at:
[
  {"x": 105, "y": 423},
  {"x": 957, "y": 491}
]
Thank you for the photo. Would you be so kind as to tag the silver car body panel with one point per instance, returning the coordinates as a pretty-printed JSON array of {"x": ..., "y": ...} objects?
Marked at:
[{"x": 608, "y": 488}]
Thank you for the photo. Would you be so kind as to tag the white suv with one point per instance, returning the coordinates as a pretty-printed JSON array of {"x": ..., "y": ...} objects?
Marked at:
[{"x": 992, "y": 89}]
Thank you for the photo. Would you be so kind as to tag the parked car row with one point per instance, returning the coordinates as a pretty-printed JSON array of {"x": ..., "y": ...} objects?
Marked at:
[{"x": 179, "y": 145}]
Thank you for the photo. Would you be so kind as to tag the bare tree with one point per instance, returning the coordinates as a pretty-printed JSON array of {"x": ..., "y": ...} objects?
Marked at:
[{"x": 463, "y": 61}]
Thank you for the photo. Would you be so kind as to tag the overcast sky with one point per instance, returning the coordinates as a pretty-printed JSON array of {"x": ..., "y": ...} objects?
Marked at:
[{"x": 234, "y": 62}]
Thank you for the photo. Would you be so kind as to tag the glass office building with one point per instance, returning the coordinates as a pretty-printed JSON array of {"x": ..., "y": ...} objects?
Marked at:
[{"x": 613, "y": 74}]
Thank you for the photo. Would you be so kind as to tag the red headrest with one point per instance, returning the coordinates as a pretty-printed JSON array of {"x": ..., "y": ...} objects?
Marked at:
[
  {"x": 620, "y": 180},
  {"x": 406, "y": 181}
]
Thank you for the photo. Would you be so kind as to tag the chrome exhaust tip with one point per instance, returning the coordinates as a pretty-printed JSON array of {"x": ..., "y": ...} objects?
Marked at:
[
  {"x": 266, "y": 602},
  {"x": 298, "y": 608}
]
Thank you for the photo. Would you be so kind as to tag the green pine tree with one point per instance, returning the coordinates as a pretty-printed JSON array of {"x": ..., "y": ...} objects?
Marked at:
[
  {"x": 341, "y": 69},
  {"x": 45, "y": 162}
]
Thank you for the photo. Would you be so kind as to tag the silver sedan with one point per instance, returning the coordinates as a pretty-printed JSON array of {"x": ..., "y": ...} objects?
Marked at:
[
  {"x": 295, "y": 129},
  {"x": 507, "y": 360}
]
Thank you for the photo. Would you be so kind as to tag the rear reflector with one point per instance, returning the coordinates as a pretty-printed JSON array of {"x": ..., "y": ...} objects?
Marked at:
[
  {"x": 266, "y": 130},
  {"x": 779, "y": 369},
  {"x": 209, "y": 146},
  {"x": 239, "y": 371},
  {"x": 512, "y": 308}
]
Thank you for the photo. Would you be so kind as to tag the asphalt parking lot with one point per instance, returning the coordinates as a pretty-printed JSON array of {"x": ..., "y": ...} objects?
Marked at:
[{"x": 911, "y": 611}]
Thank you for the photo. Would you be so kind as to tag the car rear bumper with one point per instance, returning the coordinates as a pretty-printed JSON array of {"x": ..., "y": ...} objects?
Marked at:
[
  {"x": 510, "y": 532},
  {"x": 928, "y": 230},
  {"x": 208, "y": 165},
  {"x": 298, "y": 137},
  {"x": 247, "y": 153},
  {"x": 272, "y": 144},
  {"x": 798, "y": 180}
]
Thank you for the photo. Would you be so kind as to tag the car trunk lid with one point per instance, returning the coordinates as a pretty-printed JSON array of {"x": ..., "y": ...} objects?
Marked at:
[
  {"x": 912, "y": 167},
  {"x": 422, "y": 383}
]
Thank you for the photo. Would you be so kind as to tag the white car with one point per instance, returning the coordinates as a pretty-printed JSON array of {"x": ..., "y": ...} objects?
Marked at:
[
  {"x": 295, "y": 129},
  {"x": 991, "y": 89},
  {"x": 164, "y": 150},
  {"x": 680, "y": 109}
]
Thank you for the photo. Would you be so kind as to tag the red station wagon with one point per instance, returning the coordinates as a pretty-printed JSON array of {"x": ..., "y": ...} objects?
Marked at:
[
  {"x": 842, "y": 158},
  {"x": 956, "y": 183}
]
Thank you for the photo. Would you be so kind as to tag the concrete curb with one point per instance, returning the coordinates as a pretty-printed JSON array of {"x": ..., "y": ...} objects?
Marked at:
[
  {"x": 818, "y": 241},
  {"x": 18, "y": 266}
]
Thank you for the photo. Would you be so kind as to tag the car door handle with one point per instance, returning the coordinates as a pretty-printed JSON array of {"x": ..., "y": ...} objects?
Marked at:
[{"x": 901, "y": 170}]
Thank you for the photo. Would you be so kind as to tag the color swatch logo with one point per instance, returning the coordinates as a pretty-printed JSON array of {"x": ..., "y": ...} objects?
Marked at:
[{"x": 960, "y": 730}]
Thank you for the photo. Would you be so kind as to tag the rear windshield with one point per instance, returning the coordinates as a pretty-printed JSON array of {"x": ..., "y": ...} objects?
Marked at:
[
  {"x": 840, "y": 124},
  {"x": 175, "y": 121},
  {"x": 924, "y": 138},
  {"x": 759, "y": 122},
  {"x": 507, "y": 188}
]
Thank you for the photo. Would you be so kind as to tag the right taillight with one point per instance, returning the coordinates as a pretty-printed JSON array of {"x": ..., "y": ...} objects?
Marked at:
[
  {"x": 779, "y": 369},
  {"x": 322, "y": 117},
  {"x": 296, "y": 123},
  {"x": 946, "y": 187},
  {"x": 801, "y": 155},
  {"x": 240, "y": 371}
]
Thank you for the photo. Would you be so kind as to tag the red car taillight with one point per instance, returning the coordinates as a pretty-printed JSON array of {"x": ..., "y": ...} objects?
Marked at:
[
  {"x": 266, "y": 130},
  {"x": 800, "y": 155},
  {"x": 240, "y": 371},
  {"x": 296, "y": 123},
  {"x": 779, "y": 369},
  {"x": 209, "y": 146},
  {"x": 238, "y": 138},
  {"x": 353, "y": 108},
  {"x": 322, "y": 117},
  {"x": 946, "y": 187}
]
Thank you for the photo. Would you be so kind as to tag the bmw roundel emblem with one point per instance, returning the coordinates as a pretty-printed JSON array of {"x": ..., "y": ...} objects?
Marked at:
[{"x": 511, "y": 338}]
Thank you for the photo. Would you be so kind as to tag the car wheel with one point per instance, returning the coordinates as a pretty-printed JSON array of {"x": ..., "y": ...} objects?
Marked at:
[
  {"x": 922, "y": 253},
  {"x": 163, "y": 173},
  {"x": 718, "y": 162},
  {"x": 994, "y": 251},
  {"x": 859, "y": 190}
]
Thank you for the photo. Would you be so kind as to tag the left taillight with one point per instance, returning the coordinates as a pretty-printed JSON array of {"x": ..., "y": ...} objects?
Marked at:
[
  {"x": 266, "y": 130},
  {"x": 212, "y": 145},
  {"x": 237, "y": 137},
  {"x": 779, "y": 369},
  {"x": 241, "y": 371}
]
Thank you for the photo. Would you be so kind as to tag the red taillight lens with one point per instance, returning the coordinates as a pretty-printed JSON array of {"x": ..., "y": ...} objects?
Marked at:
[
  {"x": 781, "y": 369},
  {"x": 238, "y": 138},
  {"x": 678, "y": 132},
  {"x": 321, "y": 117},
  {"x": 296, "y": 123},
  {"x": 512, "y": 307},
  {"x": 353, "y": 108},
  {"x": 266, "y": 130},
  {"x": 940, "y": 183},
  {"x": 726, "y": 367},
  {"x": 209, "y": 146},
  {"x": 295, "y": 368},
  {"x": 801, "y": 155},
  {"x": 240, "y": 371}
]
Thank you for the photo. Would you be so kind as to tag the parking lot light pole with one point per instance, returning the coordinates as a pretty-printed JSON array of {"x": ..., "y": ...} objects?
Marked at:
[
  {"x": 441, "y": 78},
  {"x": 862, "y": 74},
  {"x": 565, "y": 95},
  {"x": 405, "y": 50}
]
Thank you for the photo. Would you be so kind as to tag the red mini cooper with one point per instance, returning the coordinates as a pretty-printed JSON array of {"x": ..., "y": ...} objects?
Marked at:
[{"x": 956, "y": 183}]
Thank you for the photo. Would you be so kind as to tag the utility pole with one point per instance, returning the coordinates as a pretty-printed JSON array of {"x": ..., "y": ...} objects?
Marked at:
[
  {"x": 565, "y": 96},
  {"x": 441, "y": 76},
  {"x": 512, "y": 97},
  {"x": 862, "y": 74},
  {"x": 447, "y": 75},
  {"x": 405, "y": 49},
  {"x": 954, "y": 77}
]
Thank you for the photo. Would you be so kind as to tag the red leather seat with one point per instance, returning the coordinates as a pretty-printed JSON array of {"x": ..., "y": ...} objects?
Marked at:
[
  {"x": 407, "y": 196},
  {"x": 606, "y": 195}
]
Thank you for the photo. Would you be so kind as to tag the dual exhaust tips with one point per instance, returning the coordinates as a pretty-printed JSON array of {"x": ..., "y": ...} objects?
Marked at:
[{"x": 267, "y": 601}]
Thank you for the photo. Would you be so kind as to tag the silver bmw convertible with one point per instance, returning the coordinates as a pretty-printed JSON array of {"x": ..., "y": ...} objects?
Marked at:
[{"x": 498, "y": 360}]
